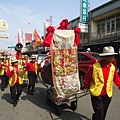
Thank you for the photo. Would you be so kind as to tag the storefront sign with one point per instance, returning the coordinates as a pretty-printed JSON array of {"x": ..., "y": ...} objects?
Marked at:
[
  {"x": 4, "y": 35},
  {"x": 84, "y": 11},
  {"x": 3, "y": 25},
  {"x": 83, "y": 27}
]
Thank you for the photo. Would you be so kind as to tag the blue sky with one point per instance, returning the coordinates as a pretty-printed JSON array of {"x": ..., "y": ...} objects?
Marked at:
[{"x": 17, "y": 13}]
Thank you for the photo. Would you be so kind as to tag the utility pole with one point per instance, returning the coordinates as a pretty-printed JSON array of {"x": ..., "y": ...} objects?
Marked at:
[{"x": 51, "y": 20}]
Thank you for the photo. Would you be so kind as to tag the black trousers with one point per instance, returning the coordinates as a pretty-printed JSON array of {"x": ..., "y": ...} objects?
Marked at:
[
  {"x": 100, "y": 106},
  {"x": 32, "y": 79},
  {"x": 4, "y": 81},
  {"x": 16, "y": 91}
]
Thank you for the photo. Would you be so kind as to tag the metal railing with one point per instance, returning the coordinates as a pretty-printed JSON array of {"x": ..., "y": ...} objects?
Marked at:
[{"x": 105, "y": 34}]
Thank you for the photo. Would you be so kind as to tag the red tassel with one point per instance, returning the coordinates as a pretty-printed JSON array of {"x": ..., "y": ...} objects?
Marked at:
[
  {"x": 19, "y": 55},
  {"x": 48, "y": 38},
  {"x": 77, "y": 36}
]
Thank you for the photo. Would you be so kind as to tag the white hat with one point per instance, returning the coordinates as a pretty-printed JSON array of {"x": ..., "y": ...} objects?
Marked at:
[
  {"x": 13, "y": 59},
  {"x": 33, "y": 56},
  {"x": 108, "y": 50},
  {"x": 88, "y": 49},
  {"x": 1, "y": 57}
]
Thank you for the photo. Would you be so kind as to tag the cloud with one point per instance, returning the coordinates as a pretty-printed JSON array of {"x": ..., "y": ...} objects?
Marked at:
[{"x": 18, "y": 17}]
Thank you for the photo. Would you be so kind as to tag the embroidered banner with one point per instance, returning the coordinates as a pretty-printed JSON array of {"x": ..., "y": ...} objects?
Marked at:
[{"x": 65, "y": 63}]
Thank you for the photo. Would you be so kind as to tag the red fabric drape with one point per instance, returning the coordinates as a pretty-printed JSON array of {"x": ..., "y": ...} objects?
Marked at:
[
  {"x": 63, "y": 25},
  {"x": 77, "y": 36},
  {"x": 19, "y": 55},
  {"x": 48, "y": 38}
]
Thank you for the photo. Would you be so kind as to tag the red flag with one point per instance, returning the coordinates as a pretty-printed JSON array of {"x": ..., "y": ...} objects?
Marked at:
[{"x": 37, "y": 39}]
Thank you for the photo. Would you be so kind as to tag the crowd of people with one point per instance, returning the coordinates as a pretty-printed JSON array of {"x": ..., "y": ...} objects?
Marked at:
[
  {"x": 13, "y": 71},
  {"x": 99, "y": 79}
]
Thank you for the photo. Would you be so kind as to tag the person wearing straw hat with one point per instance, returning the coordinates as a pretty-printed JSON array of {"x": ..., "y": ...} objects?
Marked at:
[
  {"x": 15, "y": 80},
  {"x": 88, "y": 50},
  {"x": 32, "y": 68},
  {"x": 3, "y": 69},
  {"x": 99, "y": 80},
  {"x": 25, "y": 61}
]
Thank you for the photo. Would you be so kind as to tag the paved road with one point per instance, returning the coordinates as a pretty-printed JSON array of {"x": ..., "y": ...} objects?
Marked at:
[{"x": 35, "y": 108}]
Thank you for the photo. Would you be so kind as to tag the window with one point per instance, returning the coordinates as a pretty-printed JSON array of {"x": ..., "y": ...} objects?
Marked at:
[
  {"x": 118, "y": 24},
  {"x": 98, "y": 29},
  {"x": 112, "y": 25},
  {"x": 108, "y": 27},
  {"x": 102, "y": 27},
  {"x": 82, "y": 57},
  {"x": 97, "y": 56}
]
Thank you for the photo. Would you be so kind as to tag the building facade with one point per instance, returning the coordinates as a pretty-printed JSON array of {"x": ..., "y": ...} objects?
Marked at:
[{"x": 103, "y": 27}]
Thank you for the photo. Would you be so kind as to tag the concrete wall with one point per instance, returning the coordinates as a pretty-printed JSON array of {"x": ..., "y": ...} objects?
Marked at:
[{"x": 105, "y": 8}]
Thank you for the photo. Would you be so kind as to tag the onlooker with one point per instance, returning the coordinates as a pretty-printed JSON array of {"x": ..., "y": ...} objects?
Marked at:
[
  {"x": 88, "y": 50},
  {"x": 99, "y": 79}
]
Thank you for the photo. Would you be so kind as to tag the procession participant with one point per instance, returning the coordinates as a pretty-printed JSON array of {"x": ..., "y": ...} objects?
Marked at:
[
  {"x": 15, "y": 73},
  {"x": 25, "y": 61},
  {"x": 20, "y": 61},
  {"x": 3, "y": 69},
  {"x": 100, "y": 77},
  {"x": 32, "y": 68},
  {"x": 1, "y": 73},
  {"x": 6, "y": 63},
  {"x": 7, "y": 60}
]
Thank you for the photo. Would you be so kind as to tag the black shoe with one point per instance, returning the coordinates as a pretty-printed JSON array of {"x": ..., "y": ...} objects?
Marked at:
[
  {"x": 14, "y": 104},
  {"x": 18, "y": 100},
  {"x": 28, "y": 93},
  {"x": 2, "y": 89},
  {"x": 32, "y": 93}
]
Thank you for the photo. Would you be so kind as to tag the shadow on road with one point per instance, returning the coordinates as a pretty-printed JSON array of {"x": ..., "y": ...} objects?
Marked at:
[
  {"x": 7, "y": 97},
  {"x": 39, "y": 99}
]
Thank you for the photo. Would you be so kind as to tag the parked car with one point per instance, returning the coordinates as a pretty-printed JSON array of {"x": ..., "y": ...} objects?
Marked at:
[{"x": 85, "y": 59}]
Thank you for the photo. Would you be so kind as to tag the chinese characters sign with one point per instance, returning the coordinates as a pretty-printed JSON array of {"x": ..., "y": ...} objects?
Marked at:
[
  {"x": 84, "y": 11},
  {"x": 28, "y": 37},
  {"x": 65, "y": 63}
]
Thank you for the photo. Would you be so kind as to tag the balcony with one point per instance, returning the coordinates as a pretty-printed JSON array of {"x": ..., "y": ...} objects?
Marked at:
[{"x": 109, "y": 35}]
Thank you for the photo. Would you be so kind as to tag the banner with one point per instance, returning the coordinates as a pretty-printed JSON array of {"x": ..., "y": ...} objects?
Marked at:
[
  {"x": 19, "y": 36},
  {"x": 37, "y": 39},
  {"x": 65, "y": 64},
  {"x": 28, "y": 37}
]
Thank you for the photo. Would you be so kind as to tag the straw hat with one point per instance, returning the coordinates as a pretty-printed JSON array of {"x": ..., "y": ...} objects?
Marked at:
[
  {"x": 1, "y": 57},
  {"x": 33, "y": 57},
  {"x": 7, "y": 57},
  {"x": 13, "y": 60},
  {"x": 23, "y": 56},
  {"x": 108, "y": 50}
]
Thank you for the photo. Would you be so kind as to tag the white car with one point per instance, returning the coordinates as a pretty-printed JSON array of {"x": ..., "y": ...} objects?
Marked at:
[{"x": 40, "y": 57}]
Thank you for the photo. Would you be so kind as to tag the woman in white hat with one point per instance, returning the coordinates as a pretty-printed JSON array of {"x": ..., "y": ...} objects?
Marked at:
[
  {"x": 15, "y": 80},
  {"x": 99, "y": 79}
]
